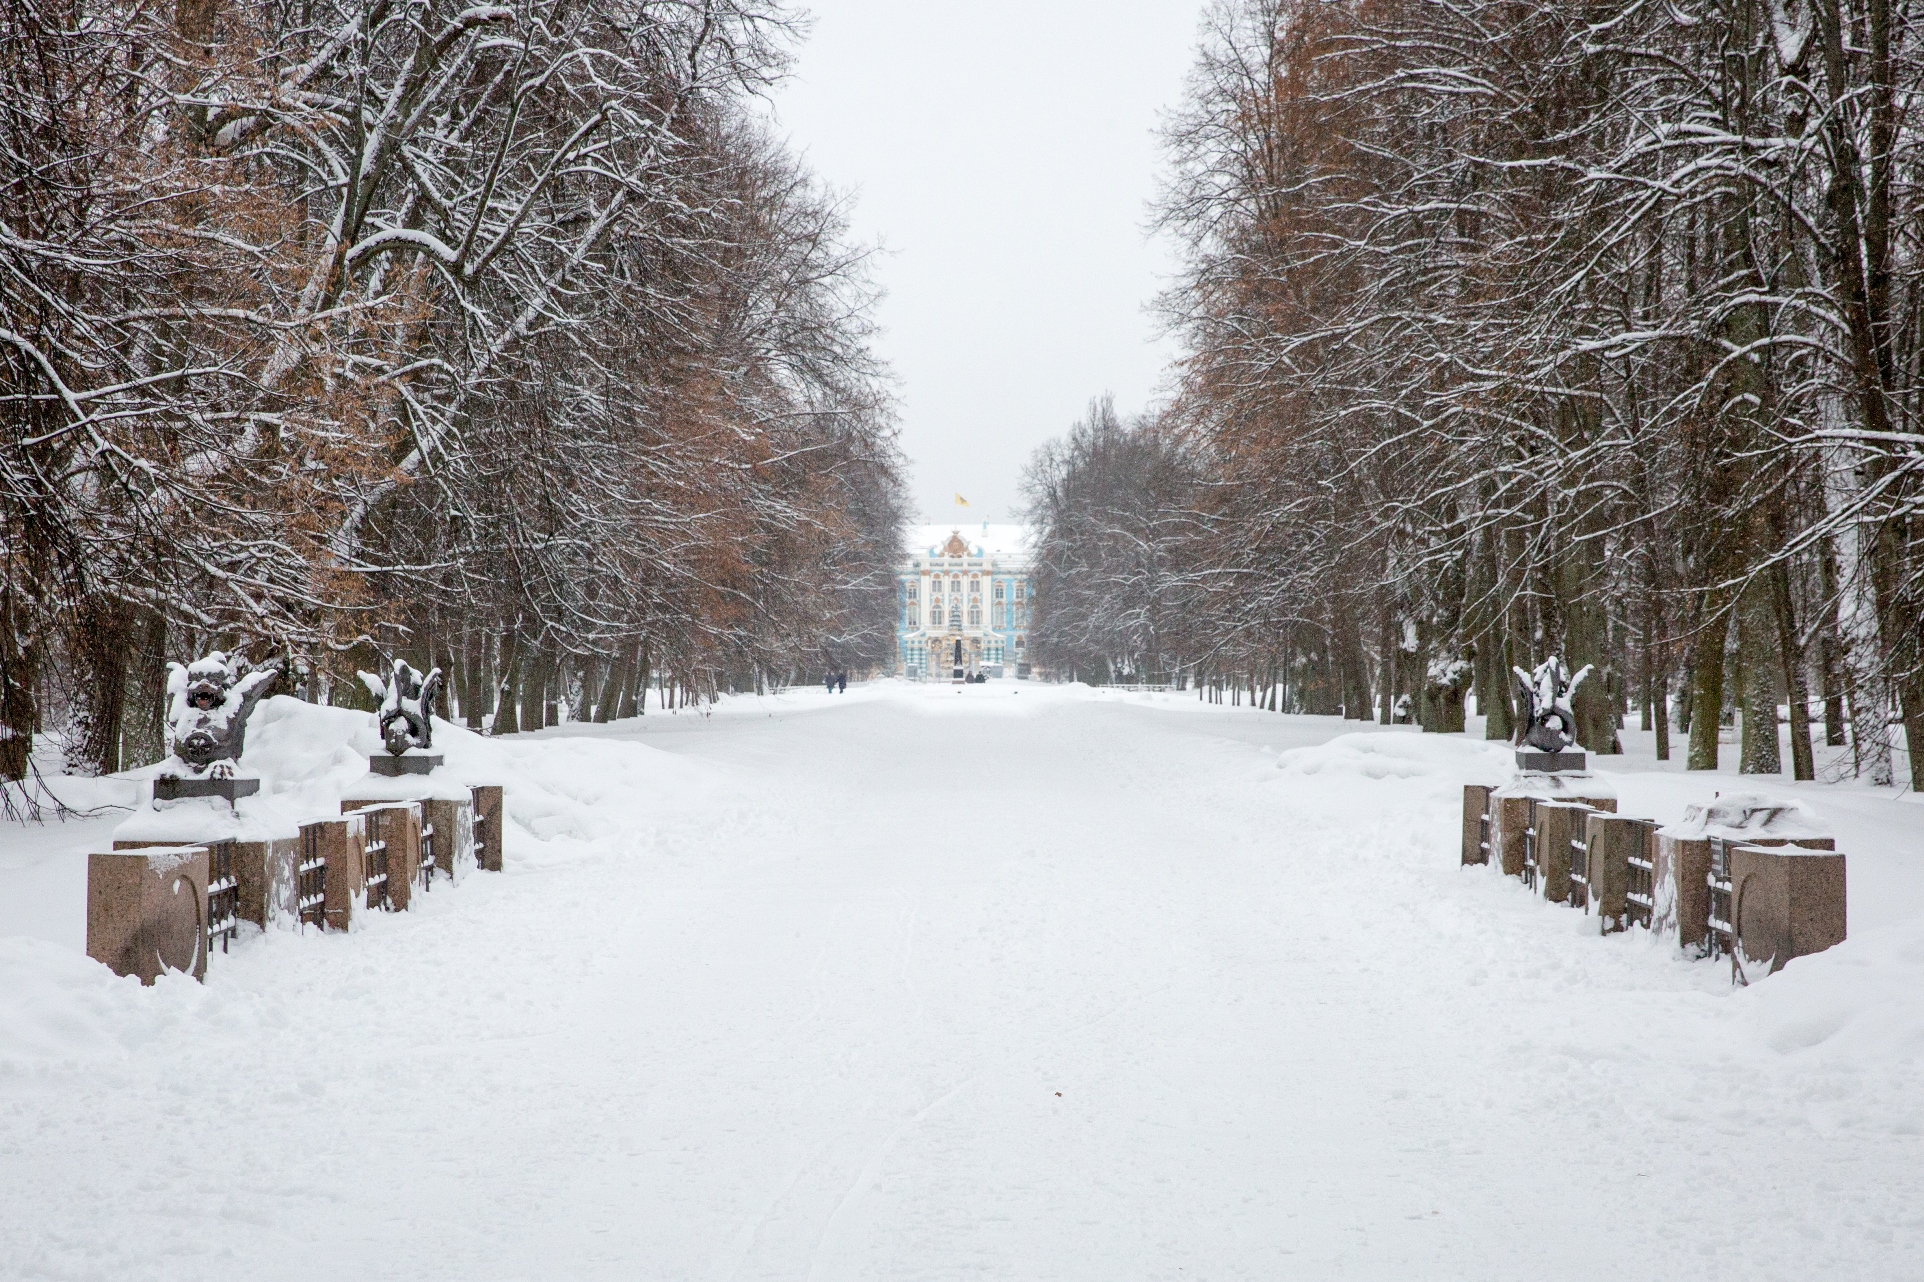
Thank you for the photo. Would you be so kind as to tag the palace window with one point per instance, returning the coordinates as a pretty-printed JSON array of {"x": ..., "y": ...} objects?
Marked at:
[
  {"x": 997, "y": 614},
  {"x": 975, "y": 614},
  {"x": 998, "y": 590},
  {"x": 915, "y": 615},
  {"x": 914, "y": 588},
  {"x": 1019, "y": 613},
  {"x": 975, "y": 587}
]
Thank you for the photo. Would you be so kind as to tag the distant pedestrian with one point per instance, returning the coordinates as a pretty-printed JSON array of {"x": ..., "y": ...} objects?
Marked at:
[
  {"x": 841, "y": 682},
  {"x": 828, "y": 683}
]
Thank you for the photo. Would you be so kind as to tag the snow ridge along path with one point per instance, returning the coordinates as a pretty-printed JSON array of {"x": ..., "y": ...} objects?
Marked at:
[{"x": 1008, "y": 981}]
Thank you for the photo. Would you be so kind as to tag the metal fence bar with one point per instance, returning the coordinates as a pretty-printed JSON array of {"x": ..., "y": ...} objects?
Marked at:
[
  {"x": 1640, "y": 890},
  {"x": 1530, "y": 848},
  {"x": 1721, "y": 939},
  {"x": 223, "y": 895},
  {"x": 1580, "y": 870},
  {"x": 377, "y": 832},
  {"x": 310, "y": 879}
]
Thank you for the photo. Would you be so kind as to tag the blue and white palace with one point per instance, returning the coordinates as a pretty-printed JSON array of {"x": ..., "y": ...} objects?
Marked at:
[{"x": 963, "y": 596}]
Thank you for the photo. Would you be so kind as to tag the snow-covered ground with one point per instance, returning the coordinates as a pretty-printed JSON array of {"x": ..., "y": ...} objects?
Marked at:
[{"x": 1004, "y": 981}]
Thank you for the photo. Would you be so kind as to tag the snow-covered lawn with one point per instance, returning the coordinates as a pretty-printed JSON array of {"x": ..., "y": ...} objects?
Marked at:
[{"x": 1004, "y": 981}]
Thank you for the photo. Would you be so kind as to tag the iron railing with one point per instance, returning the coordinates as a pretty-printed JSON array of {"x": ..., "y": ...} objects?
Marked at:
[
  {"x": 1721, "y": 939},
  {"x": 427, "y": 852},
  {"x": 1580, "y": 869},
  {"x": 1640, "y": 881},
  {"x": 310, "y": 879},
  {"x": 223, "y": 895},
  {"x": 1530, "y": 845},
  {"x": 376, "y": 858}
]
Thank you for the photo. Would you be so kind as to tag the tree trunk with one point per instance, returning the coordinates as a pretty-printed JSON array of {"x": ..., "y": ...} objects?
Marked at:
[
  {"x": 143, "y": 722},
  {"x": 1685, "y": 701},
  {"x": 1386, "y": 664},
  {"x": 541, "y": 683},
  {"x": 614, "y": 690},
  {"x": 1707, "y": 673},
  {"x": 17, "y": 687},
  {"x": 475, "y": 662},
  {"x": 100, "y": 639},
  {"x": 1803, "y": 766},
  {"x": 1830, "y": 647},
  {"x": 1756, "y": 638},
  {"x": 1662, "y": 719},
  {"x": 594, "y": 689},
  {"x": 507, "y": 707}
]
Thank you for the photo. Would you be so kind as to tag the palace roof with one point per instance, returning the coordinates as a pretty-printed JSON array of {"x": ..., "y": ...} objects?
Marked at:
[{"x": 1005, "y": 543}]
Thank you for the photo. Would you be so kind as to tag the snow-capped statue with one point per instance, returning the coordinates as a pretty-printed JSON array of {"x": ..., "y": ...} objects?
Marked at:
[
  {"x": 1548, "y": 722},
  {"x": 207, "y": 706},
  {"x": 407, "y": 702}
]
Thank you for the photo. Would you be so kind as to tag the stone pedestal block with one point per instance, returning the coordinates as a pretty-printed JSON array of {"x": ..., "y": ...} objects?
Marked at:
[
  {"x": 412, "y": 762},
  {"x": 176, "y": 787},
  {"x": 1786, "y": 902},
  {"x": 1610, "y": 843},
  {"x": 340, "y": 846},
  {"x": 147, "y": 910},
  {"x": 452, "y": 823},
  {"x": 1559, "y": 830},
  {"x": 1683, "y": 890},
  {"x": 393, "y": 850},
  {"x": 489, "y": 815},
  {"x": 1551, "y": 762},
  {"x": 1509, "y": 828},
  {"x": 1476, "y": 823}
]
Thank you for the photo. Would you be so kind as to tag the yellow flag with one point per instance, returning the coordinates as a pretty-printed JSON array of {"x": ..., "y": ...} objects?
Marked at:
[{"x": 960, "y": 501}]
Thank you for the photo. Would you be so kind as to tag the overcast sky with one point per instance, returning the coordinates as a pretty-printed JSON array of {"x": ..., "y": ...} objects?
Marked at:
[{"x": 1004, "y": 154}]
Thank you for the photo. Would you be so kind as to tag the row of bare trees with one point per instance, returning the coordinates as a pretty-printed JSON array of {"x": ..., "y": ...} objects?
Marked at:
[
  {"x": 501, "y": 337},
  {"x": 1518, "y": 328}
]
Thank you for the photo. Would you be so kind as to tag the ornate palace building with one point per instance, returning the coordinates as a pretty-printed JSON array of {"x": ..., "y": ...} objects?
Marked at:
[{"x": 963, "y": 599}]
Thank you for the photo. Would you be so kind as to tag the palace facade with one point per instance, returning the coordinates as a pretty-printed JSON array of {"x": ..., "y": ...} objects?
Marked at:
[{"x": 963, "y": 598}]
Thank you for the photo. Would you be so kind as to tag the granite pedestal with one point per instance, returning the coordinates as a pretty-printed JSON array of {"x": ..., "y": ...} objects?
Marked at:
[
  {"x": 1559, "y": 826},
  {"x": 412, "y": 762},
  {"x": 397, "y": 826},
  {"x": 147, "y": 911},
  {"x": 1786, "y": 902},
  {"x": 489, "y": 815},
  {"x": 178, "y": 787},
  {"x": 1476, "y": 823}
]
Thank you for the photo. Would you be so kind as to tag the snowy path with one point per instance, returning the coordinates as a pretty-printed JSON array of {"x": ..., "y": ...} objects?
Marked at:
[{"x": 940, "y": 984}]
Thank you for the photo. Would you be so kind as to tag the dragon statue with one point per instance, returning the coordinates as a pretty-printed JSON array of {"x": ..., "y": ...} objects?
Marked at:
[
  {"x": 207, "y": 705},
  {"x": 407, "y": 704},
  {"x": 1548, "y": 723}
]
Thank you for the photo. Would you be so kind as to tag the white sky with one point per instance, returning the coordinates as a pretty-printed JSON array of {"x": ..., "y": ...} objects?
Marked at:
[{"x": 1004, "y": 154}]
